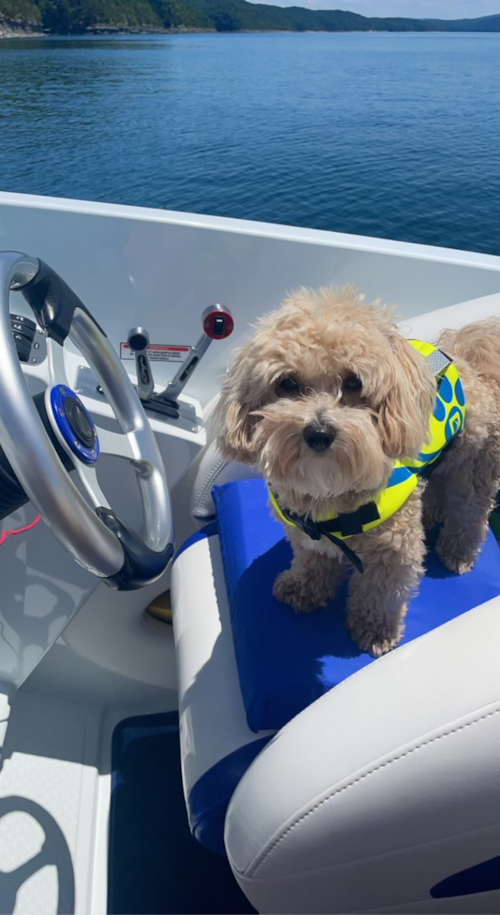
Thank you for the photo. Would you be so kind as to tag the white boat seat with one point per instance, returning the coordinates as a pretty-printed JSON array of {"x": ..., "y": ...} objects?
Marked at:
[
  {"x": 383, "y": 796},
  {"x": 443, "y": 680},
  {"x": 217, "y": 746}
]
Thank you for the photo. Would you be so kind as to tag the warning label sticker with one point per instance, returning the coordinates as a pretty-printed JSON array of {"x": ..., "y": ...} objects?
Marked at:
[{"x": 159, "y": 352}]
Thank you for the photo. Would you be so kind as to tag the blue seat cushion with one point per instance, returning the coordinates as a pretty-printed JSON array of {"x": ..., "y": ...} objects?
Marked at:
[{"x": 287, "y": 660}]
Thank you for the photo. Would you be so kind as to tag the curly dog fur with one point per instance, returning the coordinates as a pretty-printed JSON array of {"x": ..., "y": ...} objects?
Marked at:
[{"x": 327, "y": 359}]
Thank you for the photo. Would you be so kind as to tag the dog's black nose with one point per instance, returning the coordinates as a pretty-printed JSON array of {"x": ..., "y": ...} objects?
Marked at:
[{"x": 319, "y": 437}]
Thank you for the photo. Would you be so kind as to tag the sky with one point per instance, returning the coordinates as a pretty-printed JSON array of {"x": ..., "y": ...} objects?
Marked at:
[{"x": 419, "y": 9}]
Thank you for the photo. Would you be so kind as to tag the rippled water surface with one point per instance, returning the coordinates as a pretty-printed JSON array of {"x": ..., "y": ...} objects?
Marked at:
[{"x": 388, "y": 135}]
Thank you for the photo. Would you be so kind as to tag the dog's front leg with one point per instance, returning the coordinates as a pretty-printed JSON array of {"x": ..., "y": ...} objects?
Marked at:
[
  {"x": 313, "y": 578},
  {"x": 393, "y": 557}
]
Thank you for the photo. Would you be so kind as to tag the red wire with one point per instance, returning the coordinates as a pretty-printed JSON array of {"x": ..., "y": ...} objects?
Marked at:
[{"x": 20, "y": 530}]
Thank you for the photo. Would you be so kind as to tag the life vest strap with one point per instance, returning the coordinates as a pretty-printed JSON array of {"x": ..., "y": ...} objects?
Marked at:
[
  {"x": 353, "y": 522},
  {"x": 318, "y": 529}
]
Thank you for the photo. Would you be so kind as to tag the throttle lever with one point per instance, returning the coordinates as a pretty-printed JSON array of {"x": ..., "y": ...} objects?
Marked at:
[
  {"x": 138, "y": 341},
  {"x": 218, "y": 324}
]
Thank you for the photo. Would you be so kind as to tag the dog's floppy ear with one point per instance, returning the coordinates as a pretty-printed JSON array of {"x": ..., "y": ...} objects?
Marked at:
[
  {"x": 405, "y": 413},
  {"x": 233, "y": 423}
]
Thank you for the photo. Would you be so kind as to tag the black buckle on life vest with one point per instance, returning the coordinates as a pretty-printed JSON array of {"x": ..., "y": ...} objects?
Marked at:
[
  {"x": 318, "y": 529},
  {"x": 309, "y": 527},
  {"x": 353, "y": 522}
]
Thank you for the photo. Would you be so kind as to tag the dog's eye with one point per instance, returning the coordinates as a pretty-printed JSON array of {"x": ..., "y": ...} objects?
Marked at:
[
  {"x": 289, "y": 386},
  {"x": 352, "y": 383}
]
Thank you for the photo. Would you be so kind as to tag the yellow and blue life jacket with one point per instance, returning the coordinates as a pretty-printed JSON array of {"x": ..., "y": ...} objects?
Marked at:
[{"x": 446, "y": 422}]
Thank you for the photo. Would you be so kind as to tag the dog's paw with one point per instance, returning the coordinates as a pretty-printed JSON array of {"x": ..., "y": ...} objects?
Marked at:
[
  {"x": 301, "y": 594},
  {"x": 377, "y": 643},
  {"x": 455, "y": 557},
  {"x": 383, "y": 645}
]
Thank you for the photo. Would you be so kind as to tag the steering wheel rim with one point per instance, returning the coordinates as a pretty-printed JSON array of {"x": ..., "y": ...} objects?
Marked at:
[{"x": 94, "y": 537}]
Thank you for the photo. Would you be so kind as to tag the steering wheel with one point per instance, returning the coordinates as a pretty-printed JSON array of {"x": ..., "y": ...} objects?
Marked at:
[{"x": 41, "y": 452}]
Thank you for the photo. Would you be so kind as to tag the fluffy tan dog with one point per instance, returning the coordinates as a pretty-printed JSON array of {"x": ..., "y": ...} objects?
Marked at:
[{"x": 324, "y": 397}]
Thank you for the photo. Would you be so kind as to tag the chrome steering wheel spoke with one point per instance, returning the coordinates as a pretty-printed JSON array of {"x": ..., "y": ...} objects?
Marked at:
[
  {"x": 88, "y": 478},
  {"x": 116, "y": 444},
  {"x": 56, "y": 365}
]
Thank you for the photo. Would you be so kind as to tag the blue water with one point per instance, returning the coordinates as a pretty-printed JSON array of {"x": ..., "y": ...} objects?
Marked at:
[{"x": 388, "y": 135}]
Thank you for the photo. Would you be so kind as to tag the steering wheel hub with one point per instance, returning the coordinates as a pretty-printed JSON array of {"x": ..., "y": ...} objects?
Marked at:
[{"x": 74, "y": 423}]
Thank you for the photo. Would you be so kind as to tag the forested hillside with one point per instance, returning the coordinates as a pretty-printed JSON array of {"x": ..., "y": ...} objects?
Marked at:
[{"x": 77, "y": 16}]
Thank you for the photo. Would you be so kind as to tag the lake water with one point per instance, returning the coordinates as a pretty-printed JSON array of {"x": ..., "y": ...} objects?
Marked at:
[{"x": 389, "y": 135}]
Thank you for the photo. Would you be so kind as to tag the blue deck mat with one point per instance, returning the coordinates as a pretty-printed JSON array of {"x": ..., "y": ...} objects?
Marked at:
[
  {"x": 155, "y": 865},
  {"x": 286, "y": 660}
]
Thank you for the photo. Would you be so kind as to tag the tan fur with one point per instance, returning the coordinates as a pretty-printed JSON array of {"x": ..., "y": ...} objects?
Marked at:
[
  {"x": 320, "y": 339},
  {"x": 463, "y": 490}
]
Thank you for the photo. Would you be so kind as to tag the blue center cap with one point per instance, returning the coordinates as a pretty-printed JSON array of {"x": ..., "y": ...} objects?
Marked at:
[{"x": 75, "y": 423}]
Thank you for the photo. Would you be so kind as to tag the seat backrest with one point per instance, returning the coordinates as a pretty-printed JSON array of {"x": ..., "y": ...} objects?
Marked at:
[
  {"x": 428, "y": 326},
  {"x": 215, "y": 470}
]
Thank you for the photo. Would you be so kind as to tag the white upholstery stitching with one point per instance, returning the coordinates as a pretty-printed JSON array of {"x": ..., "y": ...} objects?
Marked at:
[
  {"x": 208, "y": 483},
  {"x": 259, "y": 859}
]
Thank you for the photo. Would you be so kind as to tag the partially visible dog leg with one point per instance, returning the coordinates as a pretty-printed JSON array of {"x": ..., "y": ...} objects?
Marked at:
[
  {"x": 393, "y": 557},
  {"x": 472, "y": 464},
  {"x": 312, "y": 580},
  {"x": 433, "y": 501},
  {"x": 472, "y": 484}
]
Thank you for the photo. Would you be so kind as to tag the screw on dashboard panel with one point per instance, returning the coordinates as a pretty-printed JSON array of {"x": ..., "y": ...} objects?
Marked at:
[
  {"x": 61, "y": 411},
  {"x": 94, "y": 453},
  {"x": 99, "y": 389},
  {"x": 77, "y": 444},
  {"x": 61, "y": 390}
]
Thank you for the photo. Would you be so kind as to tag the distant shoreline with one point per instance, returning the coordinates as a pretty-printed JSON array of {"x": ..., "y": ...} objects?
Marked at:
[
  {"x": 10, "y": 29},
  {"x": 61, "y": 18},
  {"x": 22, "y": 32}
]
